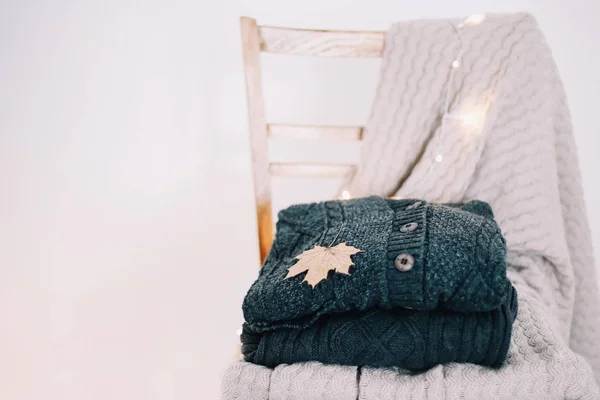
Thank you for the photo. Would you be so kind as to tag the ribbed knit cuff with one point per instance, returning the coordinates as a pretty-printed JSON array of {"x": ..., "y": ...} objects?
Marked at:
[
  {"x": 406, "y": 288},
  {"x": 503, "y": 334}
]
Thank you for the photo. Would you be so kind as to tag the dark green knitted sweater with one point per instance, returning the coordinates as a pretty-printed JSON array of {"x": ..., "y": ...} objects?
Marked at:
[
  {"x": 457, "y": 266},
  {"x": 403, "y": 338}
]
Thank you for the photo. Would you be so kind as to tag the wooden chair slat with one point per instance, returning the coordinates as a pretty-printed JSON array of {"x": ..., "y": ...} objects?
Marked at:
[
  {"x": 315, "y": 132},
  {"x": 361, "y": 44}
]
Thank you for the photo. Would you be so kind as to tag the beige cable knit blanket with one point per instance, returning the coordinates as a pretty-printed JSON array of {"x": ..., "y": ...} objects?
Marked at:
[{"x": 506, "y": 139}]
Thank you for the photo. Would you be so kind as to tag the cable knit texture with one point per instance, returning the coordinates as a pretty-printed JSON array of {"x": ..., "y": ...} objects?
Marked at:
[
  {"x": 516, "y": 152},
  {"x": 409, "y": 339},
  {"x": 458, "y": 250}
]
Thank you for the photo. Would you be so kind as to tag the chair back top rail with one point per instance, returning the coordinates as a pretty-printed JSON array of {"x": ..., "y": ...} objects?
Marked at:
[{"x": 309, "y": 42}]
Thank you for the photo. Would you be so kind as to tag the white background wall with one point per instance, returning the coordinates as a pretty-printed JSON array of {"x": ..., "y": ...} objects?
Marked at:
[{"x": 127, "y": 235}]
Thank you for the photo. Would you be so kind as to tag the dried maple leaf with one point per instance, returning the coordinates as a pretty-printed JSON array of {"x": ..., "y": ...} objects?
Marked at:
[{"x": 319, "y": 260}]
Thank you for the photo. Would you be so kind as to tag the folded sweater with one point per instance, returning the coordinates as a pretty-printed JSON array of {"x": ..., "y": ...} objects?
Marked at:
[
  {"x": 456, "y": 251},
  {"x": 409, "y": 339},
  {"x": 386, "y": 312}
]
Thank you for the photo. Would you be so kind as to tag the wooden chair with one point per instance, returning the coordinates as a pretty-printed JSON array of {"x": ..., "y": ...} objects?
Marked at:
[{"x": 256, "y": 39}]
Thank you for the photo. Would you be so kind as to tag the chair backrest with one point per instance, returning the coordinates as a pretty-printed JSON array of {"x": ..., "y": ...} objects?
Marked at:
[{"x": 257, "y": 39}]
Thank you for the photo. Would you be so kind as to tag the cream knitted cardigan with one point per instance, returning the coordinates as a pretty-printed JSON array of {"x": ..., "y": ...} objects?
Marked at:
[{"x": 508, "y": 141}]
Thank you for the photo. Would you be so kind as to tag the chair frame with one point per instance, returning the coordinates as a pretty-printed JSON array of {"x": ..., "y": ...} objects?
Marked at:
[{"x": 307, "y": 42}]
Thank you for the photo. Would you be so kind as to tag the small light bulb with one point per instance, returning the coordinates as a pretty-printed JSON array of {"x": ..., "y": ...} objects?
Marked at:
[
  {"x": 474, "y": 19},
  {"x": 471, "y": 120},
  {"x": 455, "y": 64},
  {"x": 475, "y": 118},
  {"x": 346, "y": 195},
  {"x": 439, "y": 158},
  {"x": 239, "y": 332}
]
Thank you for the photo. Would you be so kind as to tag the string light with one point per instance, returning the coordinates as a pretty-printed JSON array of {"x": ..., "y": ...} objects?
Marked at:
[
  {"x": 473, "y": 119},
  {"x": 346, "y": 195},
  {"x": 238, "y": 332},
  {"x": 455, "y": 64}
]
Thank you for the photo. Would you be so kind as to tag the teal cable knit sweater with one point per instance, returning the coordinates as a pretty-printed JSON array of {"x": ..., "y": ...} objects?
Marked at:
[{"x": 452, "y": 303}]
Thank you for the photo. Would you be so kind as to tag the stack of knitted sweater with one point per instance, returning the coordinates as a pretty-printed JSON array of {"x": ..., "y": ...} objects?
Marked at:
[
  {"x": 509, "y": 143},
  {"x": 428, "y": 287}
]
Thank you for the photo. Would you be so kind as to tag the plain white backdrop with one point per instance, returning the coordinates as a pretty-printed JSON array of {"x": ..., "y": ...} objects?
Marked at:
[{"x": 127, "y": 231}]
